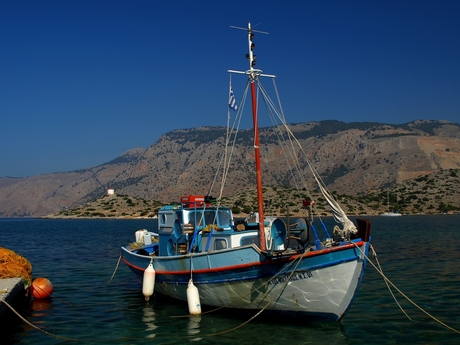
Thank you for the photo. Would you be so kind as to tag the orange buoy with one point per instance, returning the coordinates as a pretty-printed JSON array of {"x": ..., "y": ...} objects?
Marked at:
[{"x": 41, "y": 288}]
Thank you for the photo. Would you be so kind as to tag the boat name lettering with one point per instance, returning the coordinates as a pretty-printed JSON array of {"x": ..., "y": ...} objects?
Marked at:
[{"x": 295, "y": 276}]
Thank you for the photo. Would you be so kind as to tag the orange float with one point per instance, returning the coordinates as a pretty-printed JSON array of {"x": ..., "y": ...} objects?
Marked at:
[{"x": 41, "y": 288}]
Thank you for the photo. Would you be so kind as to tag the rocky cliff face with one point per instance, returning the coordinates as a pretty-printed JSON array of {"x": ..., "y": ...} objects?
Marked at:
[{"x": 355, "y": 159}]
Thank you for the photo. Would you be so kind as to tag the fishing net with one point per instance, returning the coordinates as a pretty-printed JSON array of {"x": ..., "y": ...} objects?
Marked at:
[{"x": 13, "y": 265}]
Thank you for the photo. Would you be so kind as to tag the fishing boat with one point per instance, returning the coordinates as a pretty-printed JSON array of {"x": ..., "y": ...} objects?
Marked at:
[{"x": 202, "y": 254}]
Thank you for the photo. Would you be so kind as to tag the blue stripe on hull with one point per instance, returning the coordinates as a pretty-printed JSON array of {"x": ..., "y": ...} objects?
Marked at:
[{"x": 266, "y": 268}]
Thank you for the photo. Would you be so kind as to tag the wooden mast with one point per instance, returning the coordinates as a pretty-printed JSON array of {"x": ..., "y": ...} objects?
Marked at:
[{"x": 253, "y": 74}]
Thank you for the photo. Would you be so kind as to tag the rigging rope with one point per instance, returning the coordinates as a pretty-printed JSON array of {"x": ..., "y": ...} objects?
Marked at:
[
  {"x": 231, "y": 136},
  {"x": 338, "y": 213}
]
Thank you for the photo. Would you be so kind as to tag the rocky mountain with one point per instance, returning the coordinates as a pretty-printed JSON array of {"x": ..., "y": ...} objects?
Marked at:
[
  {"x": 356, "y": 159},
  {"x": 434, "y": 193}
]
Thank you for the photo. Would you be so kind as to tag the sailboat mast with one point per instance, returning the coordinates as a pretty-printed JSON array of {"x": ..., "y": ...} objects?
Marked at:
[{"x": 252, "y": 76}]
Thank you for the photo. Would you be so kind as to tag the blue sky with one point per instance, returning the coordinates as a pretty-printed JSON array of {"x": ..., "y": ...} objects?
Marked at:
[{"x": 81, "y": 82}]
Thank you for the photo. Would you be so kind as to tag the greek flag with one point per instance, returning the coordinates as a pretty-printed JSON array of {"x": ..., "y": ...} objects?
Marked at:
[{"x": 232, "y": 101}]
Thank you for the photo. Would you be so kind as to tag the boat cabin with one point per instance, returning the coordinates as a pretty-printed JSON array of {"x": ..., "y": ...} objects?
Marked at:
[{"x": 195, "y": 226}]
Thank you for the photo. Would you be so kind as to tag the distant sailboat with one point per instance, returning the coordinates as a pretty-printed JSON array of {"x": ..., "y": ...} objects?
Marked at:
[{"x": 390, "y": 213}]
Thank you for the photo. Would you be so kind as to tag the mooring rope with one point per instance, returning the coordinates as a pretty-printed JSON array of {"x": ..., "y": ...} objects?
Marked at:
[
  {"x": 38, "y": 328},
  {"x": 48, "y": 295},
  {"x": 115, "y": 271},
  {"x": 269, "y": 301},
  {"x": 80, "y": 305},
  {"x": 282, "y": 271},
  {"x": 388, "y": 286},
  {"x": 402, "y": 293},
  {"x": 70, "y": 304}
]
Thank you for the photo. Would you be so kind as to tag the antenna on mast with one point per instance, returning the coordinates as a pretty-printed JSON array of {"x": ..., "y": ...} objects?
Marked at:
[
  {"x": 252, "y": 72},
  {"x": 250, "y": 56},
  {"x": 260, "y": 32}
]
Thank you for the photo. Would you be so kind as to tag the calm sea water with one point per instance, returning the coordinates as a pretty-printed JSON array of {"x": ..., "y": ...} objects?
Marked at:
[{"x": 419, "y": 254}]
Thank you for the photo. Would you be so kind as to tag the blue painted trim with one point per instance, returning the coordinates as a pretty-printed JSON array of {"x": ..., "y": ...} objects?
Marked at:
[{"x": 198, "y": 281}]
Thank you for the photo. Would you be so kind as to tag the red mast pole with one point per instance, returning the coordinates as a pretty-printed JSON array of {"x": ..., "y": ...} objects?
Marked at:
[{"x": 260, "y": 199}]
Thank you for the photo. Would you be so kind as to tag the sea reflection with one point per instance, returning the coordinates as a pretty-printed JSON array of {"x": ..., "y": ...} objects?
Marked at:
[
  {"x": 148, "y": 319},
  {"x": 194, "y": 326},
  {"x": 40, "y": 308}
]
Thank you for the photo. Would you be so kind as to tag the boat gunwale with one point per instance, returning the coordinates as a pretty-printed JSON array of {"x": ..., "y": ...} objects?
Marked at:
[{"x": 268, "y": 261}]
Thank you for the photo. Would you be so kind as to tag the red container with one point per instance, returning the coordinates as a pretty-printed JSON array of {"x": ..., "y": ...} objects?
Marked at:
[{"x": 192, "y": 200}]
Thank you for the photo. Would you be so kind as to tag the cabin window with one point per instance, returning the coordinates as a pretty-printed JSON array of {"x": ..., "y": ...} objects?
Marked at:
[
  {"x": 224, "y": 218},
  {"x": 220, "y": 243},
  {"x": 203, "y": 218},
  {"x": 196, "y": 218},
  {"x": 163, "y": 219},
  {"x": 249, "y": 240}
]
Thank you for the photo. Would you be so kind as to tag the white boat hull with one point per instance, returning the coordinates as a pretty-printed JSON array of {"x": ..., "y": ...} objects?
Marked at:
[{"x": 319, "y": 285}]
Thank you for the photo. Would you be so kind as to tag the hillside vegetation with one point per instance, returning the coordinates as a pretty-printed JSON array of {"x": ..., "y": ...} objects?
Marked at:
[{"x": 430, "y": 194}]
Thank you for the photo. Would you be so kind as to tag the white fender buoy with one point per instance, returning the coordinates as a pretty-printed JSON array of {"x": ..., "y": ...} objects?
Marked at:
[
  {"x": 148, "y": 283},
  {"x": 193, "y": 299}
]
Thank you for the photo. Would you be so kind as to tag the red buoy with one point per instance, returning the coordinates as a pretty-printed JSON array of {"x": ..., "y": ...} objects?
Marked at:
[{"x": 41, "y": 288}]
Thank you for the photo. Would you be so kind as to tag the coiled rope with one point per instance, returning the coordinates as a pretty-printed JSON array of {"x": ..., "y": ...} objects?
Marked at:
[{"x": 13, "y": 265}]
